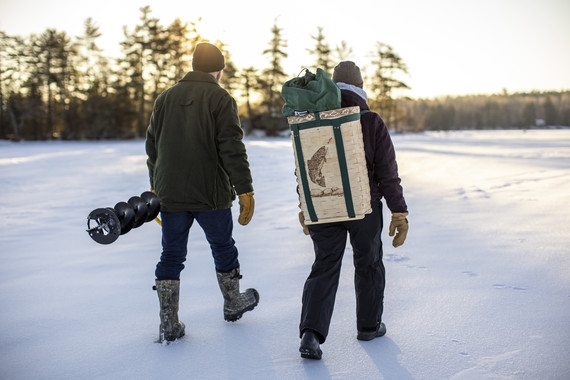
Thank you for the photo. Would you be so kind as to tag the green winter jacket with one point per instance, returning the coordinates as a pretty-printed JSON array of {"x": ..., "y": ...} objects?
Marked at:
[{"x": 196, "y": 158}]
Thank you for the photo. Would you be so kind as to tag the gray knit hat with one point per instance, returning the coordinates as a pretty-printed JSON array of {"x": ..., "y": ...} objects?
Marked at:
[
  {"x": 207, "y": 58},
  {"x": 347, "y": 72}
]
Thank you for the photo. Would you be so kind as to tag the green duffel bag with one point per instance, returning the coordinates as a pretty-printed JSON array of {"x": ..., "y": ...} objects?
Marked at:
[{"x": 310, "y": 93}]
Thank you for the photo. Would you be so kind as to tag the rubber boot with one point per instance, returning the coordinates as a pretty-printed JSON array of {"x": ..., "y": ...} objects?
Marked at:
[
  {"x": 170, "y": 327},
  {"x": 235, "y": 303}
]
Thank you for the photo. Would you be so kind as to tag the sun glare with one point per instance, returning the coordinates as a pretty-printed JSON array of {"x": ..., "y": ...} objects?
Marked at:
[{"x": 209, "y": 30}]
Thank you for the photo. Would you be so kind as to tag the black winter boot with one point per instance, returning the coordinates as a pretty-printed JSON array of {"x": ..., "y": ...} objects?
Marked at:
[
  {"x": 235, "y": 303},
  {"x": 310, "y": 346},
  {"x": 168, "y": 293},
  {"x": 369, "y": 335}
]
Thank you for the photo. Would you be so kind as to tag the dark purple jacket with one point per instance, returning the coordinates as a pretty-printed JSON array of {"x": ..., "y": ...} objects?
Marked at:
[{"x": 380, "y": 155}]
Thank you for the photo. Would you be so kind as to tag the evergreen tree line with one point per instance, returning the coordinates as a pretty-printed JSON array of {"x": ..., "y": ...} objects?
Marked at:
[
  {"x": 56, "y": 86},
  {"x": 518, "y": 110}
]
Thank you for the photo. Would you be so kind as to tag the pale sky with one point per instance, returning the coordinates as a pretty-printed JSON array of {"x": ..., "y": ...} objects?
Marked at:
[{"x": 451, "y": 47}]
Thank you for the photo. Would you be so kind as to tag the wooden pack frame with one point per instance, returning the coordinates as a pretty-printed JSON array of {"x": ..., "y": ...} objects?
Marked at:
[{"x": 331, "y": 165}]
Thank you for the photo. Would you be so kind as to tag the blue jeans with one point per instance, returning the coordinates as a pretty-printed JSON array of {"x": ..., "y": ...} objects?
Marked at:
[{"x": 217, "y": 226}]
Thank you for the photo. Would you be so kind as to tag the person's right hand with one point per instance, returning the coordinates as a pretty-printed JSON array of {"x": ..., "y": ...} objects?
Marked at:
[{"x": 302, "y": 221}]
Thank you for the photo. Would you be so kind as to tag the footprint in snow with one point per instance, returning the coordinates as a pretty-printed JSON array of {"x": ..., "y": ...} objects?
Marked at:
[
  {"x": 396, "y": 258},
  {"x": 457, "y": 341},
  {"x": 503, "y": 286}
]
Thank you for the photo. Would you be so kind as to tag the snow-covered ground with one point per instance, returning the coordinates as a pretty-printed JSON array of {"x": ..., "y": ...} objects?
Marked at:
[{"x": 480, "y": 290}]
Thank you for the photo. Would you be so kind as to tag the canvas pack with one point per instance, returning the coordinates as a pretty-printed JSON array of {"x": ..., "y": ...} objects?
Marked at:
[{"x": 332, "y": 178}]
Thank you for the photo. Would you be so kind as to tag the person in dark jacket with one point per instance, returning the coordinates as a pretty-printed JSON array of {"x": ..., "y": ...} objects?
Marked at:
[
  {"x": 197, "y": 164},
  {"x": 329, "y": 239}
]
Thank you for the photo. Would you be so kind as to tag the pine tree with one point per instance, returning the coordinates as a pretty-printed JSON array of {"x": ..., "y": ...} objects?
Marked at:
[
  {"x": 182, "y": 40},
  {"x": 550, "y": 112},
  {"x": 93, "y": 118},
  {"x": 322, "y": 52},
  {"x": 146, "y": 59},
  {"x": 273, "y": 77},
  {"x": 90, "y": 60},
  {"x": 248, "y": 82},
  {"x": 343, "y": 52},
  {"x": 16, "y": 79},
  {"x": 229, "y": 79},
  {"x": 51, "y": 55},
  {"x": 387, "y": 64},
  {"x": 528, "y": 118},
  {"x": 4, "y": 46}
]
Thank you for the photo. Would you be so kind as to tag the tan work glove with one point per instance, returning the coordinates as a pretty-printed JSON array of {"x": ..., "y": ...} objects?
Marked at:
[
  {"x": 399, "y": 223},
  {"x": 246, "y": 206},
  {"x": 302, "y": 221}
]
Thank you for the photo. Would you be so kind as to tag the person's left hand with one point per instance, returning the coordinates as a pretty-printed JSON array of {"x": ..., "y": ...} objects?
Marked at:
[
  {"x": 246, "y": 206},
  {"x": 399, "y": 223}
]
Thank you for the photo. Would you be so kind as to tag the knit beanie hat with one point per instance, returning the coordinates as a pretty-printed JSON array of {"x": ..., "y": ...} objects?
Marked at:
[
  {"x": 207, "y": 58},
  {"x": 347, "y": 72}
]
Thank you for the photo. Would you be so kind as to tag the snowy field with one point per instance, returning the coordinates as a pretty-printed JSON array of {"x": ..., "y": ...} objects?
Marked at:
[{"x": 480, "y": 289}]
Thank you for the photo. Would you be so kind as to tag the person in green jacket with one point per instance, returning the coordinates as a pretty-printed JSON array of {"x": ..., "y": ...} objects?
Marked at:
[{"x": 197, "y": 164}]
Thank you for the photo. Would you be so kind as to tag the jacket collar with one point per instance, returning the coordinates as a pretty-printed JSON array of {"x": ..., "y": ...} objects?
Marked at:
[
  {"x": 199, "y": 76},
  {"x": 351, "y": 99},
  {"x": 359, "y": 91}
]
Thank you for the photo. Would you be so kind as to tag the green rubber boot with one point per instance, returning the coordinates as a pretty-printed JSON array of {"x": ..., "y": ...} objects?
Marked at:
[
  {"x": 235, "y": 303},
  {"x": 170, "y": 327}
]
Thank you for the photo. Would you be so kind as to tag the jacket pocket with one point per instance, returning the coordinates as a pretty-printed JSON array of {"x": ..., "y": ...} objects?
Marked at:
[{"x": 223, "y": 194}]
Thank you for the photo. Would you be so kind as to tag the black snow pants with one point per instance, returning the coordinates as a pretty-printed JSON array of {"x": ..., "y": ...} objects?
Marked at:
[{"x": 321, "y": 286}]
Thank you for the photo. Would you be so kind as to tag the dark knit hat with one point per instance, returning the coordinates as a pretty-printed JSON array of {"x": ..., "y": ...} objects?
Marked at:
[
  {"x": 347, "y": 72},
  {"x": 207, "y": 58}
]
